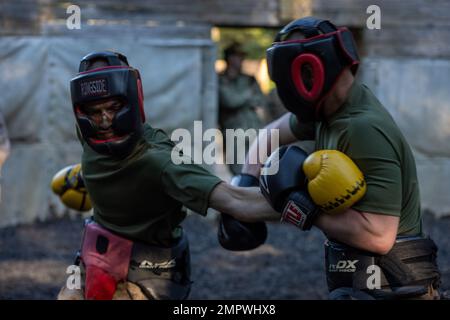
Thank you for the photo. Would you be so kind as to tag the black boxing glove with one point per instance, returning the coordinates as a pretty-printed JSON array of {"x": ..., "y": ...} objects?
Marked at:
[
  {"x": 236, "y": 235},
  {"x": 284, "y": 185}
]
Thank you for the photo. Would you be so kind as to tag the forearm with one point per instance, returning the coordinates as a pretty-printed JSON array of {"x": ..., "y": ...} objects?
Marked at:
[
  {"x": 251, "y": 206},
  {"x": 366, "y": 231},
  {"x": 252, "y": 165},
  {"x": 245, "y": 204},
  {"x": 254, "y": 160}
]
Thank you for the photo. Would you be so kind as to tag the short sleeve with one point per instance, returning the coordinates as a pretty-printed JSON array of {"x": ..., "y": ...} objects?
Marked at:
[
  {"x": 301, "y": 130},
  {"x": 190, "y": 184},
  {"x": 373, "y": 153}
]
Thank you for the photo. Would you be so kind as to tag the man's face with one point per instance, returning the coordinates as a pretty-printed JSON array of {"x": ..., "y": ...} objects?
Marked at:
[
  {"x": 234, "y": 61},
  {"x": 102, "y": 114}
]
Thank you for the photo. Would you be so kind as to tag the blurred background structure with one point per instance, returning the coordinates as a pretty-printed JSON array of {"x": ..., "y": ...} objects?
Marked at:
[
  {"x": 406, "y": 63},
  {"x": 177, "y": 46}
]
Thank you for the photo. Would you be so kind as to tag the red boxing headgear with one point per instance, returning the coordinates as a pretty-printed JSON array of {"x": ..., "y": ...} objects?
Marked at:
[
  {"x": 324, "y": 53},
  {"x": 116, "y": 80}
]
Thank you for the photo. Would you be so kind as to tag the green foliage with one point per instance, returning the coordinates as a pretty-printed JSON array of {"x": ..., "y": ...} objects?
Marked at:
[{"x": 254, "y": 41}]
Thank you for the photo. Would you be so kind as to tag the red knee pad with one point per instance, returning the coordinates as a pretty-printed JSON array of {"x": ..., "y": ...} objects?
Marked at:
[
  {"x": 106, "y": 257},
  {"x": 99, "y": 284}
]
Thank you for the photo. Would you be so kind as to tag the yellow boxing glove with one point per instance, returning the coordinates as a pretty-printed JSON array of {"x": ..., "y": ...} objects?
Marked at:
[
  {"x": 335, "y": 182},
  {"x": 68, "y": 184}
]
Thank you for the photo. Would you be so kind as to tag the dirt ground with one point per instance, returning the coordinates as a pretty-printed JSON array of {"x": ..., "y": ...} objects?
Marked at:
[{"x": 33, "y": 260}]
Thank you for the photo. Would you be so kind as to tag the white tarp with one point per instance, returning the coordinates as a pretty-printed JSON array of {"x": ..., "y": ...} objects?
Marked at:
[
  {"x": 179, "y": 87},
  {"x": 416, "y": 92}
]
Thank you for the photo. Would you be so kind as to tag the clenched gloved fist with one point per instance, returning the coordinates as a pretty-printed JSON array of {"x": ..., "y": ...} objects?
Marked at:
[{"x": 236, "y": 235}]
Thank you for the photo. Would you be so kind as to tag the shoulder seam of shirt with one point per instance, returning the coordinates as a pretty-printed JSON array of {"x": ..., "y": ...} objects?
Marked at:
[{"x": 386, "y": 209}]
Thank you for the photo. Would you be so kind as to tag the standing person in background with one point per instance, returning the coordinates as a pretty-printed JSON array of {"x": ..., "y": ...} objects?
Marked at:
[
  {"x": 239, "y": 98},
  {"x": 275, "y": 107}
]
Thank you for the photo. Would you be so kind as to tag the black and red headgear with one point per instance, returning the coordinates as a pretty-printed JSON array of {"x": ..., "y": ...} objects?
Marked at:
[
  {"x": 115, "y": 80},
  {"x": 306, "y": 70}
]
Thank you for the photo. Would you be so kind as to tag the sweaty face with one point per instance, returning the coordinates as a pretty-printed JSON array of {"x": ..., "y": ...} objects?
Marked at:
[{"x": 102, "y": 115}]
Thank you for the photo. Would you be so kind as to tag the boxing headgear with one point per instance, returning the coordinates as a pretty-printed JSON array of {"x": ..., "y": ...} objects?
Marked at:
[
  {"x": 116, "y": 80},
  {"x": 324, "y": 53}
]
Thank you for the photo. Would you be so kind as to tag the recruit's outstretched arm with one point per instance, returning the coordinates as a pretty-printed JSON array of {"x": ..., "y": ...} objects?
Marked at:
[{"x": 245, "y": 204}]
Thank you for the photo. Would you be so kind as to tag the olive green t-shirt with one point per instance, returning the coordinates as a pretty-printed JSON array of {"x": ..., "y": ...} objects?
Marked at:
[
  {"x": 364, "y": 130},
  {"x": 141, "y": 196}
]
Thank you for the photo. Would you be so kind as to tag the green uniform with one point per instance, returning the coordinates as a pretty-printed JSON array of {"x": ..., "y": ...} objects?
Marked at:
[
  {"x": 141, "y": 196},
  {"x": 238, "y": 98},
  {"x": 364, "y": 130},
  {"x": 275, "y": 107}
]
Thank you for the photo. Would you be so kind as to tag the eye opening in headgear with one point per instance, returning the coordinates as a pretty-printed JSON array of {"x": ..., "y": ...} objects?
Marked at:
[
  {"x": 307, "y": 76},
  {"x": 117, "y": 104}
]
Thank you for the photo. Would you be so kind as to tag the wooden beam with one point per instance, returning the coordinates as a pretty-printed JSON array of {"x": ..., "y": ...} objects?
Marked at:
[
  {"x": 411, "y": 13},
  {"x": 27, "y": 16},
  {"x": 294, "y": 9},
  {"x": 420, "y": 42}
]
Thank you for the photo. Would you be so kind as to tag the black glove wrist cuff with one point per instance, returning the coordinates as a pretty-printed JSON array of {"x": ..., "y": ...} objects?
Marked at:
[
  {"x": 310, "y": 219},
  {"x": 302, "y": 217}
]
